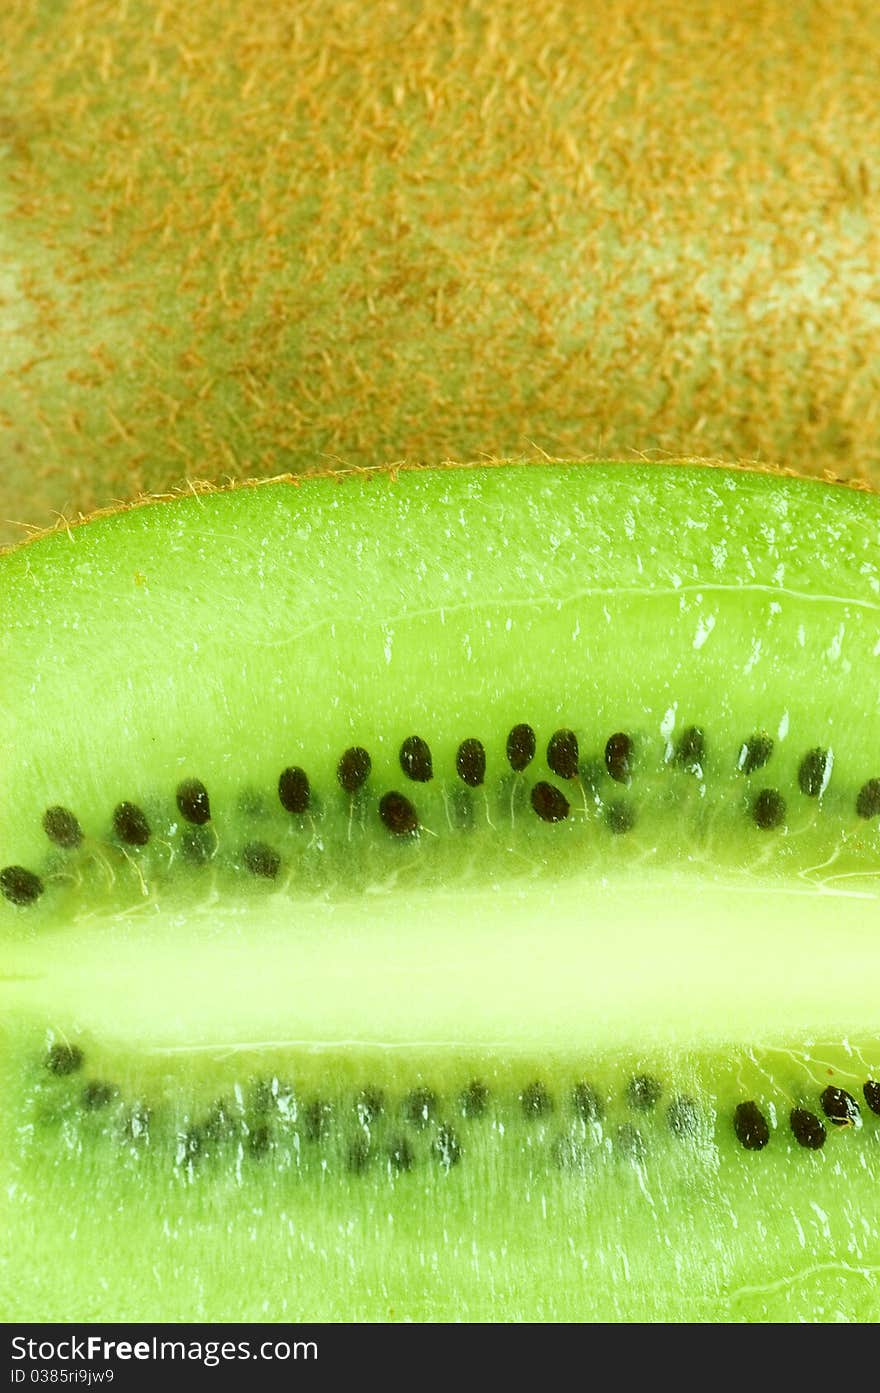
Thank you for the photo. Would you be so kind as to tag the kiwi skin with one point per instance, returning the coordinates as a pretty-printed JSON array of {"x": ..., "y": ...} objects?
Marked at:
[
  {"x": 237, "y": 248},
  {"x": 57, "y": 948}
]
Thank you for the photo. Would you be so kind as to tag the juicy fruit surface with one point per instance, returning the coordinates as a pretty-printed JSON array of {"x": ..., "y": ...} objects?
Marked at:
[
  {"x": 515, "y": 779},
  {"x": 486, "y": 1190},
  {"x": 239, "y": 635}
]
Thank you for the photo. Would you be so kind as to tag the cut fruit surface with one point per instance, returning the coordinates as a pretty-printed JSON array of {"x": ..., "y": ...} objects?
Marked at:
[{"x": 485, "y": 857}]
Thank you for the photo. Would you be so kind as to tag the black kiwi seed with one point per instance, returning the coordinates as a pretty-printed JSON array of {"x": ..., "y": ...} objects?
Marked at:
[
  {"x": 562, "y": 754},
  {"x": 358, "y": 1154},
  {"x": 470, "y": 763},
  {"x": 550, "y": 803},
  {"x": 840, "y": 1106},
  {"x": 400, "y": 1154},
  {"x": 419, "y": 1106},
  {"x": 370, "y": 1104},
  {"x": 691, "y": 748},
  {"x": 620, "y": 816},
  {"x": 193, "y": 802},
  {"x": 871, "y": 1091},
  {"x": 643, "y": 1092},
  {"x": 353, "y": 769},
  {"x": 62, "y": 828},
  {"x": 474, "y": 1099},
  {"x": 535, "y": 1100},
  {"x": 415, "y": 759},
  {"x": 768, "y": 809},
  {"x": 20, "y": 886},
  {"x": 618, "y": 757},
  {"x": 398, "y": 814},
  {"x": 811, "y": 772},
  {"x": 64, "y": 1059},
  {"x": 131, "y": 824},
  {"x": 447, "y": 1147},
  {"x": 868, "y": 801},
  {"x": 755, "y": 752},
  {"x": 294, "y": 791},
  {"x": 586, "y": 1103},
  {"x": 261, "y": 860},
  {"x": 521, "y": 746},
  {"x": 683, "y": 1116},
  {"x": 97, "y": 1095},
  {"x": 750, "y": 1126},
  {"x": 808, "y": 1130}
]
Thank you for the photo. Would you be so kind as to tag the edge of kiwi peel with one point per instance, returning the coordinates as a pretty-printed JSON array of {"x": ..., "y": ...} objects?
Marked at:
[
  {"x": 196, "y": 486},
  {"x": 136, "y": 939}
]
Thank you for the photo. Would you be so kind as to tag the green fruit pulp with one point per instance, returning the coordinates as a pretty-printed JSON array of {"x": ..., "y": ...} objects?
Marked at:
[{"x": 663, "y": 926}]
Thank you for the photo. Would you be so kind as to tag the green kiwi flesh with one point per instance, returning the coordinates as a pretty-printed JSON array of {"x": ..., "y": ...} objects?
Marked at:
[{"x": 576, "y": 1023}]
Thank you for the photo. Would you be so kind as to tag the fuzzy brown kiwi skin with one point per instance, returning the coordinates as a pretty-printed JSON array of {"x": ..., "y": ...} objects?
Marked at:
[{"x": 171, "y": 312}]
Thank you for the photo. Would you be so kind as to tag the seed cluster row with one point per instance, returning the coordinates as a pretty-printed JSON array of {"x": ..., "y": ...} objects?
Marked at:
[
  {"x": 419, "y": 1109},
  {"x": 398, "y": 813},
  {"x": 809, "y": 1130}
]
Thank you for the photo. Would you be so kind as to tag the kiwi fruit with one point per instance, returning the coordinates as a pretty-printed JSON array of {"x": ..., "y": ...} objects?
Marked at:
[
  {"x": 235, "y": 244},
  {"x": 388, "y": 901}
]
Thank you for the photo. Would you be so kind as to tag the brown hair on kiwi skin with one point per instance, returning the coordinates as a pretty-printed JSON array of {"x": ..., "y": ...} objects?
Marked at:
[
  {"x": 228, "y": 287},
  {"x": 390, "y": 472}
]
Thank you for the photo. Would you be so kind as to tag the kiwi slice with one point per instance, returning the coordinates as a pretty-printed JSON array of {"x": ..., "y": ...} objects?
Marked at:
[{"x": 451, "y": 891}]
